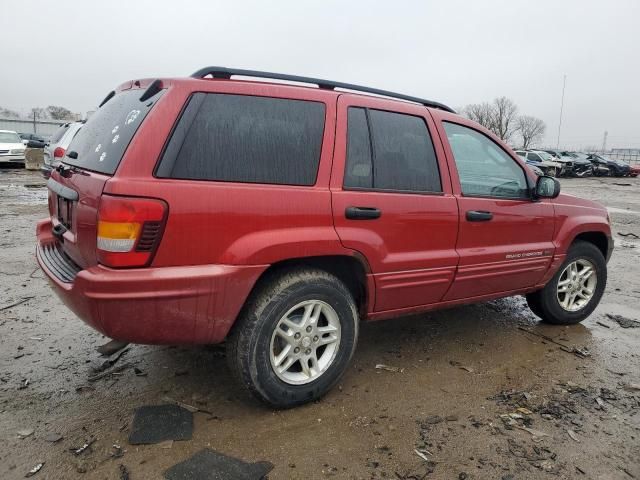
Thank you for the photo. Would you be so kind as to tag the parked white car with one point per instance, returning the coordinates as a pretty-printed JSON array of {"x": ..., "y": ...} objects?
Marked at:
[
  {"x": 11, "y": 147},
  {"x": 543, "y": 161},
  {"x": 56, "y": 149}
]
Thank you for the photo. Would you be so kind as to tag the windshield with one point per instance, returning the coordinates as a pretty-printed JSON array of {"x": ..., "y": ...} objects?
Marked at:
[
  {"x": 9, "y": 137},
  {"x": 101, "y": 143},
  {"x": 545, "y": 156}
]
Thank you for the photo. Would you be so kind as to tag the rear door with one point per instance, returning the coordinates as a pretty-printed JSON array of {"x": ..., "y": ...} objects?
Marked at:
[
  {"x": 91, "y": 159},
  {"x": 505, "y": 238},
  {"x": 392, "y": 199}
]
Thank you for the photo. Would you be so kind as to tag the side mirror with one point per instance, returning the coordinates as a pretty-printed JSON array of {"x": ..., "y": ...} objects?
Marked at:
[{"x": 547, "y": 187}]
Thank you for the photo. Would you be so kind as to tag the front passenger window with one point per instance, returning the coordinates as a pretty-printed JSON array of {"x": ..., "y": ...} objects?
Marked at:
[{"x": 485, "y": 170}]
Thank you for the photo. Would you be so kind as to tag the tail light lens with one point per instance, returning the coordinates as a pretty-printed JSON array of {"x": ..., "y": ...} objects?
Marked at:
[
  {"x": 129, "y": 230},
  {"x": 58, "y": 152}
]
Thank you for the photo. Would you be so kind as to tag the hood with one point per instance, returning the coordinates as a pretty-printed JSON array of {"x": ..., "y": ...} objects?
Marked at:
[
  {"x": 11, "y": 146},
  {"x": 570, "y": 200}
]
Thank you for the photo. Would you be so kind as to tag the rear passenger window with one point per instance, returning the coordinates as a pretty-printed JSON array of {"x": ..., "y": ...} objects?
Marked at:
[
  {"x": 240, "y": 138},
  {"x": 359, "y": 167},
  {"x": 402, "y": 157}
]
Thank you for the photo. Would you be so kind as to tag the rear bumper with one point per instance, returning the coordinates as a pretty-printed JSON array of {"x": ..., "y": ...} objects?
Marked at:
[{"x": 164, "y": 305}]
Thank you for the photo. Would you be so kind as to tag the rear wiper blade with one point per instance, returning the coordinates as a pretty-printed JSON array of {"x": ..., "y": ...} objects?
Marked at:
[{"x": 73, "y": 154}]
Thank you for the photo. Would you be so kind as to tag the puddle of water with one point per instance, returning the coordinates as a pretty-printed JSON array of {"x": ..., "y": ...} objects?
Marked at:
[{"x": 21, "y": 195}]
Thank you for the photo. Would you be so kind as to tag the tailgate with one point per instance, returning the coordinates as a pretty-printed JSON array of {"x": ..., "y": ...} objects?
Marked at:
[
  {"x": 92, "y": 158},
  {"x": 73, "y": 206}
]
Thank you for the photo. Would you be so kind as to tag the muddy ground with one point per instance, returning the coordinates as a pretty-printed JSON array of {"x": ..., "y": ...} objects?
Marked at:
[{"x": 479, "y": 391}]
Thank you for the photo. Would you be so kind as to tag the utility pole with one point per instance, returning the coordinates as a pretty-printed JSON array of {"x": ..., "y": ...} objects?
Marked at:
[
  {"x": 604, "y": 141},
  {"x": 564, "y": 84},
  {"x": 34, "y": 122}
]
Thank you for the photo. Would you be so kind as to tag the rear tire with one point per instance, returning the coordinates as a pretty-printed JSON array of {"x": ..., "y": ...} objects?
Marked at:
[
  {"x": 294, "y": 338},
  {"x": 575, "y": 290}
]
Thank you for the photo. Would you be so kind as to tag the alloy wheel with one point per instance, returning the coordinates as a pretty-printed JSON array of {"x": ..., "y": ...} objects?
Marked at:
[{"x": 305, "y": 342}]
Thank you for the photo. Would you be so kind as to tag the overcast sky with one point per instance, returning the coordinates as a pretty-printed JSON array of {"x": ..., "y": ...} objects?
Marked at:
[{"x": 71, "y": 53}]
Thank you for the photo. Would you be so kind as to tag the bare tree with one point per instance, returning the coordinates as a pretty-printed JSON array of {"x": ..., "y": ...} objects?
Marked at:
[
  {"x": 59, "y": 113},
  {"x": 481, "y": 113},
  {"x": 7, "y": 113},
  {"x": 531, "y": 130},
  {"x": 505, "y": 114},
  {"x": 38, "y": 113}
]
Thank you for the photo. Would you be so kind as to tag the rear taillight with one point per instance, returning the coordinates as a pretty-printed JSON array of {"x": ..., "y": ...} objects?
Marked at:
[
  {"x": 58, "y": 152},
  {"x": 129, "y": 230}
]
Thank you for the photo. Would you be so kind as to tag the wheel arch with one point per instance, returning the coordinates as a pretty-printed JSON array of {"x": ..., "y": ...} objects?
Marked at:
[
  {"x": 353, "y": 270},
  {"x": 597, "y": 238}
]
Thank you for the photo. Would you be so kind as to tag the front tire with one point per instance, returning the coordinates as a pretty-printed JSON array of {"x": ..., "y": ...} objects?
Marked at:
[
  {"x": 575, "y": 290},
  {"x": 294, "y": 338}
]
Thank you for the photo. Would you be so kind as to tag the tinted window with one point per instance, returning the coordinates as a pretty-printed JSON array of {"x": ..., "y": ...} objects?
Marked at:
[
  {"x": 534, "y": 156},
  {"x": 359, "y": 168},
  {"x": 483, "y": 167},
  {"x": 102, "y": 141},
  {"x": 239, "y": 138},
  {"x": 402, "y": 157}
]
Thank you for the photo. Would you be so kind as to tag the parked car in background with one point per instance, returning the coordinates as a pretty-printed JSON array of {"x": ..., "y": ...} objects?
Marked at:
[
  {"x": 617, "y": 168},
  {"x": 536, "y": 170},
  {"x": 55, "y": 151},
  {"x": 176, "y": 218},
  {"x": 634, "y": 170},
  {"x": 36, "y": 137},
  {"x": 11, "y": 147},
  {"x": 565, "y": 160},
  {"x": 543, "y": 160},
  {"x": 582, "y": 167}
]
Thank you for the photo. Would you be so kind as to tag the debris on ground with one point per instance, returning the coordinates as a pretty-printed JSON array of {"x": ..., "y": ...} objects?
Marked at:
[
  {"x": 25, "y": 432},
  {"x": 186, "y": 406},
  {"x": 124, "y": 472},
  {"x": 34, "y": 470},
  {"x": 111, "y": 347},
  {"x": 573, "y": 435},
  {"x": 109, "y": 363},
  {"x": 382, "y": 366},
  {"x": 602, "y": 324},
  {"x": 626, "y": 235},
  {"x": 210, "y": 465},
  {"x": 114, "y": 371},
  {"x": 52, "y": 437},
  {"x": 632, "y": 387},
  {"x": 157, "y": 423},
  {"x": 16, "y": 303},
  {"x": 624, "y": 322},
  {"x": 117, "y": 452},
  {"x": 80, "y": 450}
]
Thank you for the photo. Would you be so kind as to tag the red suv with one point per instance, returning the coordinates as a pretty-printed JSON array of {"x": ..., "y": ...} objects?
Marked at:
[{"x": 277, "y": 216}]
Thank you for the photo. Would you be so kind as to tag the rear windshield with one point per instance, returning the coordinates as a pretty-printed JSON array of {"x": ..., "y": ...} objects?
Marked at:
[
  {"x": 102, "y": 141},
  {"x": 59, "y": 133}
]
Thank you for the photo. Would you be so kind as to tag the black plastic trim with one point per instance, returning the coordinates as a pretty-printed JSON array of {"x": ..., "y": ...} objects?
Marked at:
[
  {"x": 61, "y": 190},
  {"x": 227, "y": 73},
  {"x": 58, "y": 262}
]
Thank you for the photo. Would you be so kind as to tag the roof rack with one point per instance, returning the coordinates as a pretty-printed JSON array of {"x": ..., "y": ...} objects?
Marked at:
[{"x": 223, "y": 72}]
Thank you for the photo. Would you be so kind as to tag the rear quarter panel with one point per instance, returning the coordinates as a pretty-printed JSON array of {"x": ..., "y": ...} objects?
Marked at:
[{"x": 227, "y": 222}]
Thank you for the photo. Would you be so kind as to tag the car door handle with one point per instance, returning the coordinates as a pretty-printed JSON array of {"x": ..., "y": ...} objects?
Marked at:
[
  {"x": 362, "y": 213},
  {"x": 479, "y": 216}
]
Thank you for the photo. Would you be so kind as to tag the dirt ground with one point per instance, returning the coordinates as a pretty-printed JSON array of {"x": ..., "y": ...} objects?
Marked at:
[{"x": 479, "y": 391}]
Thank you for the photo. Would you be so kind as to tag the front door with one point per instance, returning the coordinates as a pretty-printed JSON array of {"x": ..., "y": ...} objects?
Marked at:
[
  {"x": 505, "y": 238},
  {"x": 392, "y": 200}
]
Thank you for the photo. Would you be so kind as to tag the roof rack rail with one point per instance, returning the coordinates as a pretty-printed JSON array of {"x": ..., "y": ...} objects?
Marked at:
[{"x": 224, "y": 72}]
